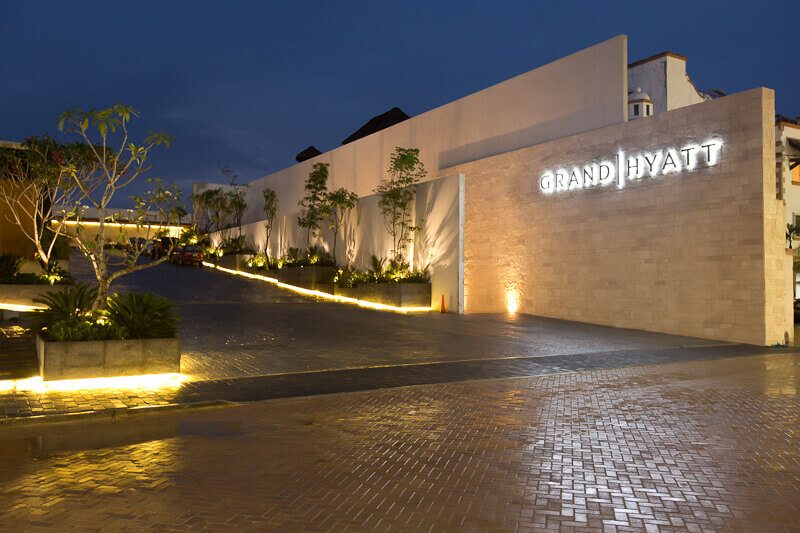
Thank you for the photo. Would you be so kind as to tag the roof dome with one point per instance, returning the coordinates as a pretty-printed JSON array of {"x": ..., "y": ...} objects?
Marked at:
[{"x": 639, "y": 96}]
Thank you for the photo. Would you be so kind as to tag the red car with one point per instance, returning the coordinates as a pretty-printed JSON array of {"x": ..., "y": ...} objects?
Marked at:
[{"x": 187, "y": 255}]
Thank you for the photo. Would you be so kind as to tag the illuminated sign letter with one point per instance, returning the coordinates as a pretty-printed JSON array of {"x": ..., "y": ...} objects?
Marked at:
[
  {"x": 560, "y": 185},
  {"x": 607, "y": 173},
  {"x": 575, "y": 179},
  {"x": 547, "y": 183},
  {"x": 671, "y": 162},
  {"x": 635, "y": 166},
  {"x": 632, "y": 166},
  {"x": 652, "y": 163},
  {"x": 590, "y": 175}
]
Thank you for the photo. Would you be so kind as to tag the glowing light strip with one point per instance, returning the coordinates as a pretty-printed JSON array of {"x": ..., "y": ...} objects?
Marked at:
[
  {"x": 117, "y": 224},
  {"x": 141, "y": 382},
  {"x": 320, "y": 294},
  {"x": 20, "y": 307}
]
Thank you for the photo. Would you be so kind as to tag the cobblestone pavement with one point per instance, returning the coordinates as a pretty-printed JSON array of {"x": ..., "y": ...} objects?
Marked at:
[
  {"x": 16, "y": 405},
  {"x": 698, "y": 446},
  {"x": 241, "y": 337},
  {"x": 235, "y": 327}
]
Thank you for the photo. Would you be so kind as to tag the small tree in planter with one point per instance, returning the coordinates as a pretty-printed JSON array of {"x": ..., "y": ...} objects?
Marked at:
[
  {"x": 206, "y": 206},
  {"x": 396, "y": 194},
  {"x": 235, "y": 202},
  {"x": 116, "y": 163},
  {"x": 312, "y": 204},
  {"x": 338, "y": 205},
  {"x": 270, "y": 212},
  {"x": 36, "y": 181},
  {"x": 138, "y": 335}
]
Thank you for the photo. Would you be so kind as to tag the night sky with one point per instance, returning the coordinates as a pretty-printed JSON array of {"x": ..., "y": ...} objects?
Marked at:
[{"x": 252, "y": 83}]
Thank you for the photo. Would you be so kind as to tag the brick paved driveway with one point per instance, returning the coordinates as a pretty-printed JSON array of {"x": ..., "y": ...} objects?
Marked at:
[
  {"x": 698, "y": 446},
  {"x": 234, "y": 327}
]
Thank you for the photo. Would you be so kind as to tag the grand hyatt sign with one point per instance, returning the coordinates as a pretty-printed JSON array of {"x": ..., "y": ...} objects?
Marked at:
[{"x": 623, "y": 168}]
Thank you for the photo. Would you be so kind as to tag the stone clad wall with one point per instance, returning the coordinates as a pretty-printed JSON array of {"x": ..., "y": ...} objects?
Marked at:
[{"x": 682, "y": 253}]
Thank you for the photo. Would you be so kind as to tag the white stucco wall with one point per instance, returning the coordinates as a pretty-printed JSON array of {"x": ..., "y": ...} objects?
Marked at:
[
  {"x": 438, "y": 210},
  {"x": 583, "y": 91},
  {"x": 665, "y": 80}
]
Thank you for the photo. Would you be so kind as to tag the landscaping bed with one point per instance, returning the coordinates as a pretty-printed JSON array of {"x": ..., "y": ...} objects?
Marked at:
[
  {"x": 233, "y": 261},
  {"x": 107, "y": 358},
  {"x": 309, "y": 276},
  {"x": 22, "y": 288},
  {"x": 19, "y": 294},
  {"x": 136, "y": 334},
  {"x": 397, "y": 294}
]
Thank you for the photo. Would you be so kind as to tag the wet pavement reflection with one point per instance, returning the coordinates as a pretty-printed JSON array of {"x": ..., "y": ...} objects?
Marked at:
[{"x": 692, "y": 446}]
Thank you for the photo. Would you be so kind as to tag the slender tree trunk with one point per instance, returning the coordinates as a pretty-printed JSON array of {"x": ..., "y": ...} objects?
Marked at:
[
  {"x": 101, "y": 302},
  {"x": 335, "y": 234}
]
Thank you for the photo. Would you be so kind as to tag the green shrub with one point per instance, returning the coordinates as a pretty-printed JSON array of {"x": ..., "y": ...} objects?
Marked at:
[
  {"x": 71, "y": 303},
  {"x": 235, "y": 245},
  {"x": 80, "y": 329},
  {"x": 378, "y": 264},
  {"x": 353, "y": 277},
  {"x": 28, "y": 278},
  {"x": 194, "y": 236},
  {"x": 58, "y": 276},
  {"x": 317, "y": 255},
  {"x": 143, "y": 316},
  {"x": 260, "y": 260},
  {"x": 294, "y": 256},
  {"x": 9, "y": 265}
]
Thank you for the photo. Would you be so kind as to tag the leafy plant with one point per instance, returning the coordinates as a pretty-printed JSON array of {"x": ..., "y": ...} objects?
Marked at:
[
  {"x": 194, "y": 236},
  {"x": 396, "y": 270},
  {"x": 236, "y": 245},
  {"x": 294, "y": 256},
  {"x": 377, "y": 265},
  {"x": 38, "y": 182},
  {"x": 9, "y": 265},
  {"x": 71, "y": 303},
  {"x": 143, "y": 315},
  {"x": 260, "y": 260},
  {"x": 351, "y": 277},
  {"x": 312, "y": 204},
  {"x": 337, "y": 206},
  {"x": 316, "y": 255},
  {"x": 80, "y": 329},
  {"x": 27, "y": 278},
  {"x": 396, "y": 194}
]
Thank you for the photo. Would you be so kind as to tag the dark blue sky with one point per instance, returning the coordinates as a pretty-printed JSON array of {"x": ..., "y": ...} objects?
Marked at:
[{"x": 252, "y": 83}]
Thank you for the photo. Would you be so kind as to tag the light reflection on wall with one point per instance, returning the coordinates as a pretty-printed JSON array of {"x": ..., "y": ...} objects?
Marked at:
[
  {"x": 512, "y": 300},
  {"x": 363, "y": 234}
]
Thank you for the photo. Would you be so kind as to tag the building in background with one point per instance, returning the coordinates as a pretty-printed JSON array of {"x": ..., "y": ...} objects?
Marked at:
[{"x": 587, "y": 189}]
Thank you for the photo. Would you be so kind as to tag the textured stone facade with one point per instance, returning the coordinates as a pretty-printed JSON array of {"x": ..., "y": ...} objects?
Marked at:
[{"x": 697, "y": 253}]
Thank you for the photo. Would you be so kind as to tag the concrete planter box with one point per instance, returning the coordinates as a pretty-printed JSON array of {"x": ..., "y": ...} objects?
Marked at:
[
  {"x": 397, "y": 294},
  {"x": 309, "y": 277},
  {"x": 24, "y": 294},
  {"x": 95, "y": 359},
  {"x": 233, "y": 262}
]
